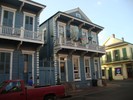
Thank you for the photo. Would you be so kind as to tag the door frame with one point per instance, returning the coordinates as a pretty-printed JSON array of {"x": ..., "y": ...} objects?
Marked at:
[
  {"x": 32, "y": 54},
  {"x": 65, "y": 57},
  {"x": 98, "y": 68}
]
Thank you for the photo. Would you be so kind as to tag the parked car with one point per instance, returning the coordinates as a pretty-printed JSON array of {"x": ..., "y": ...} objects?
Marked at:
[{"x": 16, "y": 90}]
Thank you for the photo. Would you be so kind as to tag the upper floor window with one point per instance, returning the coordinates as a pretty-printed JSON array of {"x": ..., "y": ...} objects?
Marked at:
[
  {"x": 116, "y": 55},
  {"x": 76, "y": 68},
  {"x": 74, "y": 30},
  {"x": 124, "y": 53},
  {"x": 94, "y": 37},
  {"x": 4, "y": 62},
  {"x": 131, "y": 52},
  {"x": 78, "y": 15},
  {"x": 8, "y": 16},
  {"x": 84, "y": 38},
  {"x": 108, "y": 56},
  {"x": 87, "y": 67},
  {"x": 62, "y": 32},
  {"x": 45, "y": 35},
  {"x": 29, "y": 21}
]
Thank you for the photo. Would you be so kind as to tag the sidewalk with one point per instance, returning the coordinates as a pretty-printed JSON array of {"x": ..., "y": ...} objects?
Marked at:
[{"x": 91, "y": 90}]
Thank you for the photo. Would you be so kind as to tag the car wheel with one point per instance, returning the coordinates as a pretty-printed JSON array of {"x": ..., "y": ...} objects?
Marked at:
[{"x": 51, "y": 97}]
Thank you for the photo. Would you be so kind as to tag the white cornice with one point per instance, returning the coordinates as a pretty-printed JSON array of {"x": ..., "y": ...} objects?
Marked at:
[{"x": 32, "y": 3}]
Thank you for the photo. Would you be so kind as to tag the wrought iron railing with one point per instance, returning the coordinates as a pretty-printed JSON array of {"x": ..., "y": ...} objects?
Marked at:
[{"x": 20, "y": 33}]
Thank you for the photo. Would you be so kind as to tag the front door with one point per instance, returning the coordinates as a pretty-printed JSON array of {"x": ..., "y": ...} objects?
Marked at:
[
  {"x": 110, "y": 74},
  {"x": 129, "y": 72},
  {"x": 63, "y": 71},
  {"x": 27, "y": 67}
]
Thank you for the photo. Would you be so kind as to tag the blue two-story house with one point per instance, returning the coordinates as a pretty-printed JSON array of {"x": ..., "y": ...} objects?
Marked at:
[
  {"x": 20, "y": 39},
  {"x": 71, "y": 48}
]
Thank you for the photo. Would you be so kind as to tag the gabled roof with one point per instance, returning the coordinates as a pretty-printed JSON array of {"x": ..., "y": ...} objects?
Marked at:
[
  {"x": 80, "y": 11},
  {"x": 112, "y": 41}
]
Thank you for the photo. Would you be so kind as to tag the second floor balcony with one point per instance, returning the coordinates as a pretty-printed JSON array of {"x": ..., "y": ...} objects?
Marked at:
[
  {"x": 77, "y": 45},
  {"x": 116, "y": 60},
  {"x": 21, "y": 34}
]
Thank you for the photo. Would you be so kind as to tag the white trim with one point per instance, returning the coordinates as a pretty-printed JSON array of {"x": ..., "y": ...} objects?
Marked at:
[
  {"x": 33, "y": 66},
  {"x": 32, "y": 54},
  {"x": 98, "y": 67},
  {"x": 6, "y": 50},
  {"x": 75, "y": 56},
  {"x": 64, "y": 30},
  {"x": 94, "y": 25},
  {"x": 80, "y": 11},
  {"x": 32, "y": 3},
  {"x": 77, "y": 48},
  {"x": 89, "y": 68},
  {"x": 11, "y": 59},
  {"x": 66, "y": 67},
  {"x": 27, "y": 52},
  {"x": 10, "y": 10},
  {"x": 30, "y": 15}
]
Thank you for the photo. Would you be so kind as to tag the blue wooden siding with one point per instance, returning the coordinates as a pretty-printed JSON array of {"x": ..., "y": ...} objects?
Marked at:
[
  {"x": 70, "y": 68},
  {"x": 74, "y": 14},
  {"x": 19, "y": 19},
  {"x": 47, "y": 76}
]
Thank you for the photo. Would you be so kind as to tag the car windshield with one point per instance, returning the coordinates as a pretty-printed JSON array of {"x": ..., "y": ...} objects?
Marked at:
[{"x": 2, "y": 84}]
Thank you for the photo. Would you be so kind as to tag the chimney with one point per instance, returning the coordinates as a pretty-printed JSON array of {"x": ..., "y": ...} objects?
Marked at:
[
  {"x": 113, "y": 35},
  {"x": 122, "y": 39}
]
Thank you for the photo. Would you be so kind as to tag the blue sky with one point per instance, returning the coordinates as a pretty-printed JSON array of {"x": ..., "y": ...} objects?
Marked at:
[{"x": 116, "y": 16}]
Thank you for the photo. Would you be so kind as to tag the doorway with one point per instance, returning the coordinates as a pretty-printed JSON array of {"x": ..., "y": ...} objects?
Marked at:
[
  {"x": 129, "y": 72},
  {"x": 27, "y": 67},
  {"x": 110, "y": 74},
  {"x": 63, "y": 69}
]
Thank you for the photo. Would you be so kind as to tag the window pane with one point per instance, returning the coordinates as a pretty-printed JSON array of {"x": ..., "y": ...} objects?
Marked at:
[
  {"x": 5, "y": 14},
  {"x": 76, "y": 67}
]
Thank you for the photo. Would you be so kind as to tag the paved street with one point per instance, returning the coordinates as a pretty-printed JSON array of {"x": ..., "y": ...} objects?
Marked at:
[{"x": 116, "y": 90}]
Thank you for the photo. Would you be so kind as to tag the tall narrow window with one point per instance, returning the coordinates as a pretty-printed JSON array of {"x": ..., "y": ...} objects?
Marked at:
[
  {"x": 132, "y": 53},
  {"x": 116, "y": 55},
  {"x": 4, "y": 63},
  {"x": 124, "y": 53},
  {"x": 76, "y": 68},
  {"x": 108, "y": 55},
  {"x": 61, "y": 32},
  {"x": 87, "y": 67},
  {"x": 94, "y": 37},
  {"x": 29, "y": 23},
  {"x": 84, "y": 38}
]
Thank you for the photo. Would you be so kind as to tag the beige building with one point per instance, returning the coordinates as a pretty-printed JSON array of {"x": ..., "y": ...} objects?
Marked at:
[{"x": 117, "y": 63}]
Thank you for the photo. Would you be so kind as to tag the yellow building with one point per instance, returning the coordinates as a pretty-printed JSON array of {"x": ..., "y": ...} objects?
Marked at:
[{"x": 117, "y": 63}]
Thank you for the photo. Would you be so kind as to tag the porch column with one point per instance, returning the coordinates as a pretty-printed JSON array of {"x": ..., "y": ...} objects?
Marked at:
[
  {"x": 124, "y": 70},
  {"x": 37, "y": 68},
  {"x": 54, "y": 50}
]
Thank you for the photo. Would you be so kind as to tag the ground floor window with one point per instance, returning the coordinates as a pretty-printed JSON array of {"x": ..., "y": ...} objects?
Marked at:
[
  {"x": 76, "y": 68},
  {"x": 4, "y": 63},
  {"x": 87, "y": 67},
  {"x": 118, "y": 71},
  {"x": 103, "y": 72}
]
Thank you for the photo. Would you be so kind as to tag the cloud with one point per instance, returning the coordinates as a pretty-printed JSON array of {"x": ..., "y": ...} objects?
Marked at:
[{"x": 99, "y": 3}]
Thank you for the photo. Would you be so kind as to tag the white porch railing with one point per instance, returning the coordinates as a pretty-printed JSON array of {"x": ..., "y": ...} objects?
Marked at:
[
  {"x": 80, "y": 46},
  {"x": 20, "y": 33}
]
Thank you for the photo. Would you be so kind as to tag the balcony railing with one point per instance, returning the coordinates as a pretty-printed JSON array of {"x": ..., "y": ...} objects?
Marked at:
[
  {"x": 20, "y": 33},
  {"x": 79, "y": 46},
  {"x": 117, "y": 60}
]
